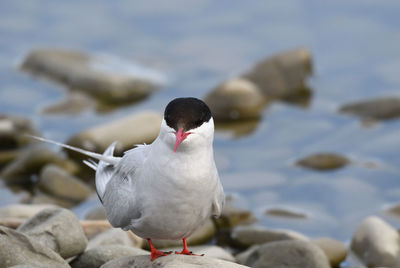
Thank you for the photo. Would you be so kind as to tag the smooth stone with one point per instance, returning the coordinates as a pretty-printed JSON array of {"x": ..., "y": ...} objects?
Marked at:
[
  {"x": 94, "y": 227},
  {"x": 244, "y": 255},
  {"x": 246, "y": 236},
  {"x": 282, "y": 75},
  {"x": 285, "y": 213},
  {"x": 75, "y": 103},
  {"x": 13, "y": 130},
  {"x": 7, "y": 156},
  {"x": 22, "y": 211},
  {"x": 235, "y": 99},
  {"x": 209, "y": 251},
  {"x": 237, "y": 129},
  {"x": 115, "y": 236},
  {"x": 96, "y": 213},
  {"x": 128, "y": 131},
  {"x": 56, "y": 181},
  {"x": 202, "y": 235},
  {"x": 76, "y": 71},
  {"x": 170, "y": 261},
  {"x": 58, "y": 229},
  {"x": 232, "y": 216},
  {"x": 40, "y": 198},
  {"x": 96, "y": 257},
  {"x": 323, "y": 161},
  {"x": 31, "y": 161},
  {"x": 376, "y": 243},
  {"x": 335, "y": 250},
  {"x": 288, "y": 254},
  {"x": 374, "y": 109},
  {"x": 20, "y": 249}
]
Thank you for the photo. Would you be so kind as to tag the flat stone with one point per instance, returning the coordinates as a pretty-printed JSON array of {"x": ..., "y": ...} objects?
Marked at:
[
  {"x": 170, "y": 261},
  {"x": 20, "y": 249},
  {"x": 323, "y": 161},
  {"x": 288, "y": 254},
  {"x": 246, "y": 236},
  {"x": 202, "y": 235},
  {"x": 22, "y": 211},
  {"x": 78, "y": 72},
  {"x": 96, "y": 257},
  {"x": 74, "y": 103},
  {"x": 209, "y": 251},
  {"x": 374, "y": 109},
  {"x": 116, "y": 236},
  {"x": 283, "y": 75},
  {"x": 335, "y": 250},
  {"x": 96, "y": 213},
  {"x": 376, "y": 243},
  {"x": 31, "y": 161},
  {"x": 285, "y": 213},
  {"x": 128, "y": 131},
  {"x": 232, "y": 216},
  {"x": 56, "y": 181},
  {"x": 58, "y": 229},
  {"x": 235, "y": 99}
]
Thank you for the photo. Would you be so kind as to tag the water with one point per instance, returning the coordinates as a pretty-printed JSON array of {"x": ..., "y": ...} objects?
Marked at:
[{"x": 197, "y": 45}]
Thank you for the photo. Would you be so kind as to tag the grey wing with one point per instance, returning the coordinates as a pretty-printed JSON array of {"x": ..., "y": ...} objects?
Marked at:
[
  {"x": 119, "y": 199},
  {"x": 219, "y": 200}
]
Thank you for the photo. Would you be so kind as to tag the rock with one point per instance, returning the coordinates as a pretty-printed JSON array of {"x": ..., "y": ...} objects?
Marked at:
[
  {"x": 237, "y": 129},
  {"x": 97, "y": 213},
  {"x": 374, "y": 109},
  {"x": 236, "y": 99},
  {"x": 20, "y": 249},
  {"x": 56, "y": 181},
  {"x": 81, "y": 72},
  {"x": 288, "y": 254},
  {"x": 202, "y": 235},
  {"x": 22, "y": 211},
  {"x": 232, "y": 216},
  {"x": 75, "y": 103},
  {"x": 58, "y": 229},
  {"x": 208, "y": 251},
  {"x": 31, "y": 162},
  {"x": 244, "y": 255},
  {"x": 323, "y": 161},
  {"x": 95, "y": 227},
  {"x": 95, "y": 257},
  {"x": 128, "y": 131},
  {"x": 283, "y": 75},
  {"x": 13, "y": 130},
  {"x": 335, "y": 250},
  {"x": 285, "y": 213},
  {"x": 246, "y": 236},
  {"x": 115, "y": 236},
  {"x": 40, "y": 198},
  {"x": 376, "y": 243},
  {"x": 171, "y": 261}
]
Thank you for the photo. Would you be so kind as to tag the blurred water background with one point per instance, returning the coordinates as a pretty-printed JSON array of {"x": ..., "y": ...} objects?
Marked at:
[{"x": 196, "y": 45}]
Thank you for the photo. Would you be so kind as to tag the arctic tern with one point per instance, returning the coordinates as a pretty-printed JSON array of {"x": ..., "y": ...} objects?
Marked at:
[{"x": 167, "y": 189}]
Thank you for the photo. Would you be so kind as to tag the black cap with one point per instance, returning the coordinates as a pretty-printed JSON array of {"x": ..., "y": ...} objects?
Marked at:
[{"x": 186, "y": 113}]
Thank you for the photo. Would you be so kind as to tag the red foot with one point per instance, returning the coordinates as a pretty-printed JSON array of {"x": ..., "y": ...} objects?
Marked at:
[
  {"x": 156, "y": 253},
  {"x": 185, "y": 250}
]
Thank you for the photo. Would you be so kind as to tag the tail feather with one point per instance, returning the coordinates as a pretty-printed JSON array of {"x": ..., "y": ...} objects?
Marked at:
[
  {"x": 104, "y": 171},
  {"x": 110, "y": 159}
]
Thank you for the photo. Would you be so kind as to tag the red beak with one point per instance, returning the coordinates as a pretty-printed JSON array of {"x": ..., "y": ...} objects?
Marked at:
[{"x": 180, "y": 136}]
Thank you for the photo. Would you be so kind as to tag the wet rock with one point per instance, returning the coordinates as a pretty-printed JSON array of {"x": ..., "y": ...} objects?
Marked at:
[
  {"x": 22, "y": 211},
  {"x": 208, "y": 251},
  {"x": 20, "y": 249},
  {"x": 232, "y": 216},
  {"x": 376, "y": 243},
  {"x": 75, "y": 103},
  {"x": 79, "y": 72},
  {"x": 202, "y": 235},
  {"x": 58, "y": 229},
  {"x": 97, "y": 213},
  {"x": 128, "y": 131},
  {"x": 288, "y": 254},
  {"x": 246, "y": 236},
  {"x": 283, "y": 75},
  {"x": 236, "y": 99},
  {"x": 116, "y": 236},
  {"x": 31, "y": 162},
  {"x": 56, "y": 181},
  {"x": 374, "y": 109},
  {"x": 95, "y": 257},
  {"x": 171, "y": 261},
  {"x": 323, "y": 161},
  {"x": 335, "y": 250},
  {"x": 285, "y": 213}
]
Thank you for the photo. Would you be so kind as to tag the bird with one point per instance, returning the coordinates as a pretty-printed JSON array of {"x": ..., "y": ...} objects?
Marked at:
[{"x": 167, "y": 189}]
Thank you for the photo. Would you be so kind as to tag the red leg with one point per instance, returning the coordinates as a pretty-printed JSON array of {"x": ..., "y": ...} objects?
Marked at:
[
  {"x": 156, "y": 253},
  {"x": 185, "y": 250}
]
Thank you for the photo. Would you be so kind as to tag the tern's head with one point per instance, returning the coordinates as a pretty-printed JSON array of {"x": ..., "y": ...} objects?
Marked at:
[{"x": 187, "y": 123}]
